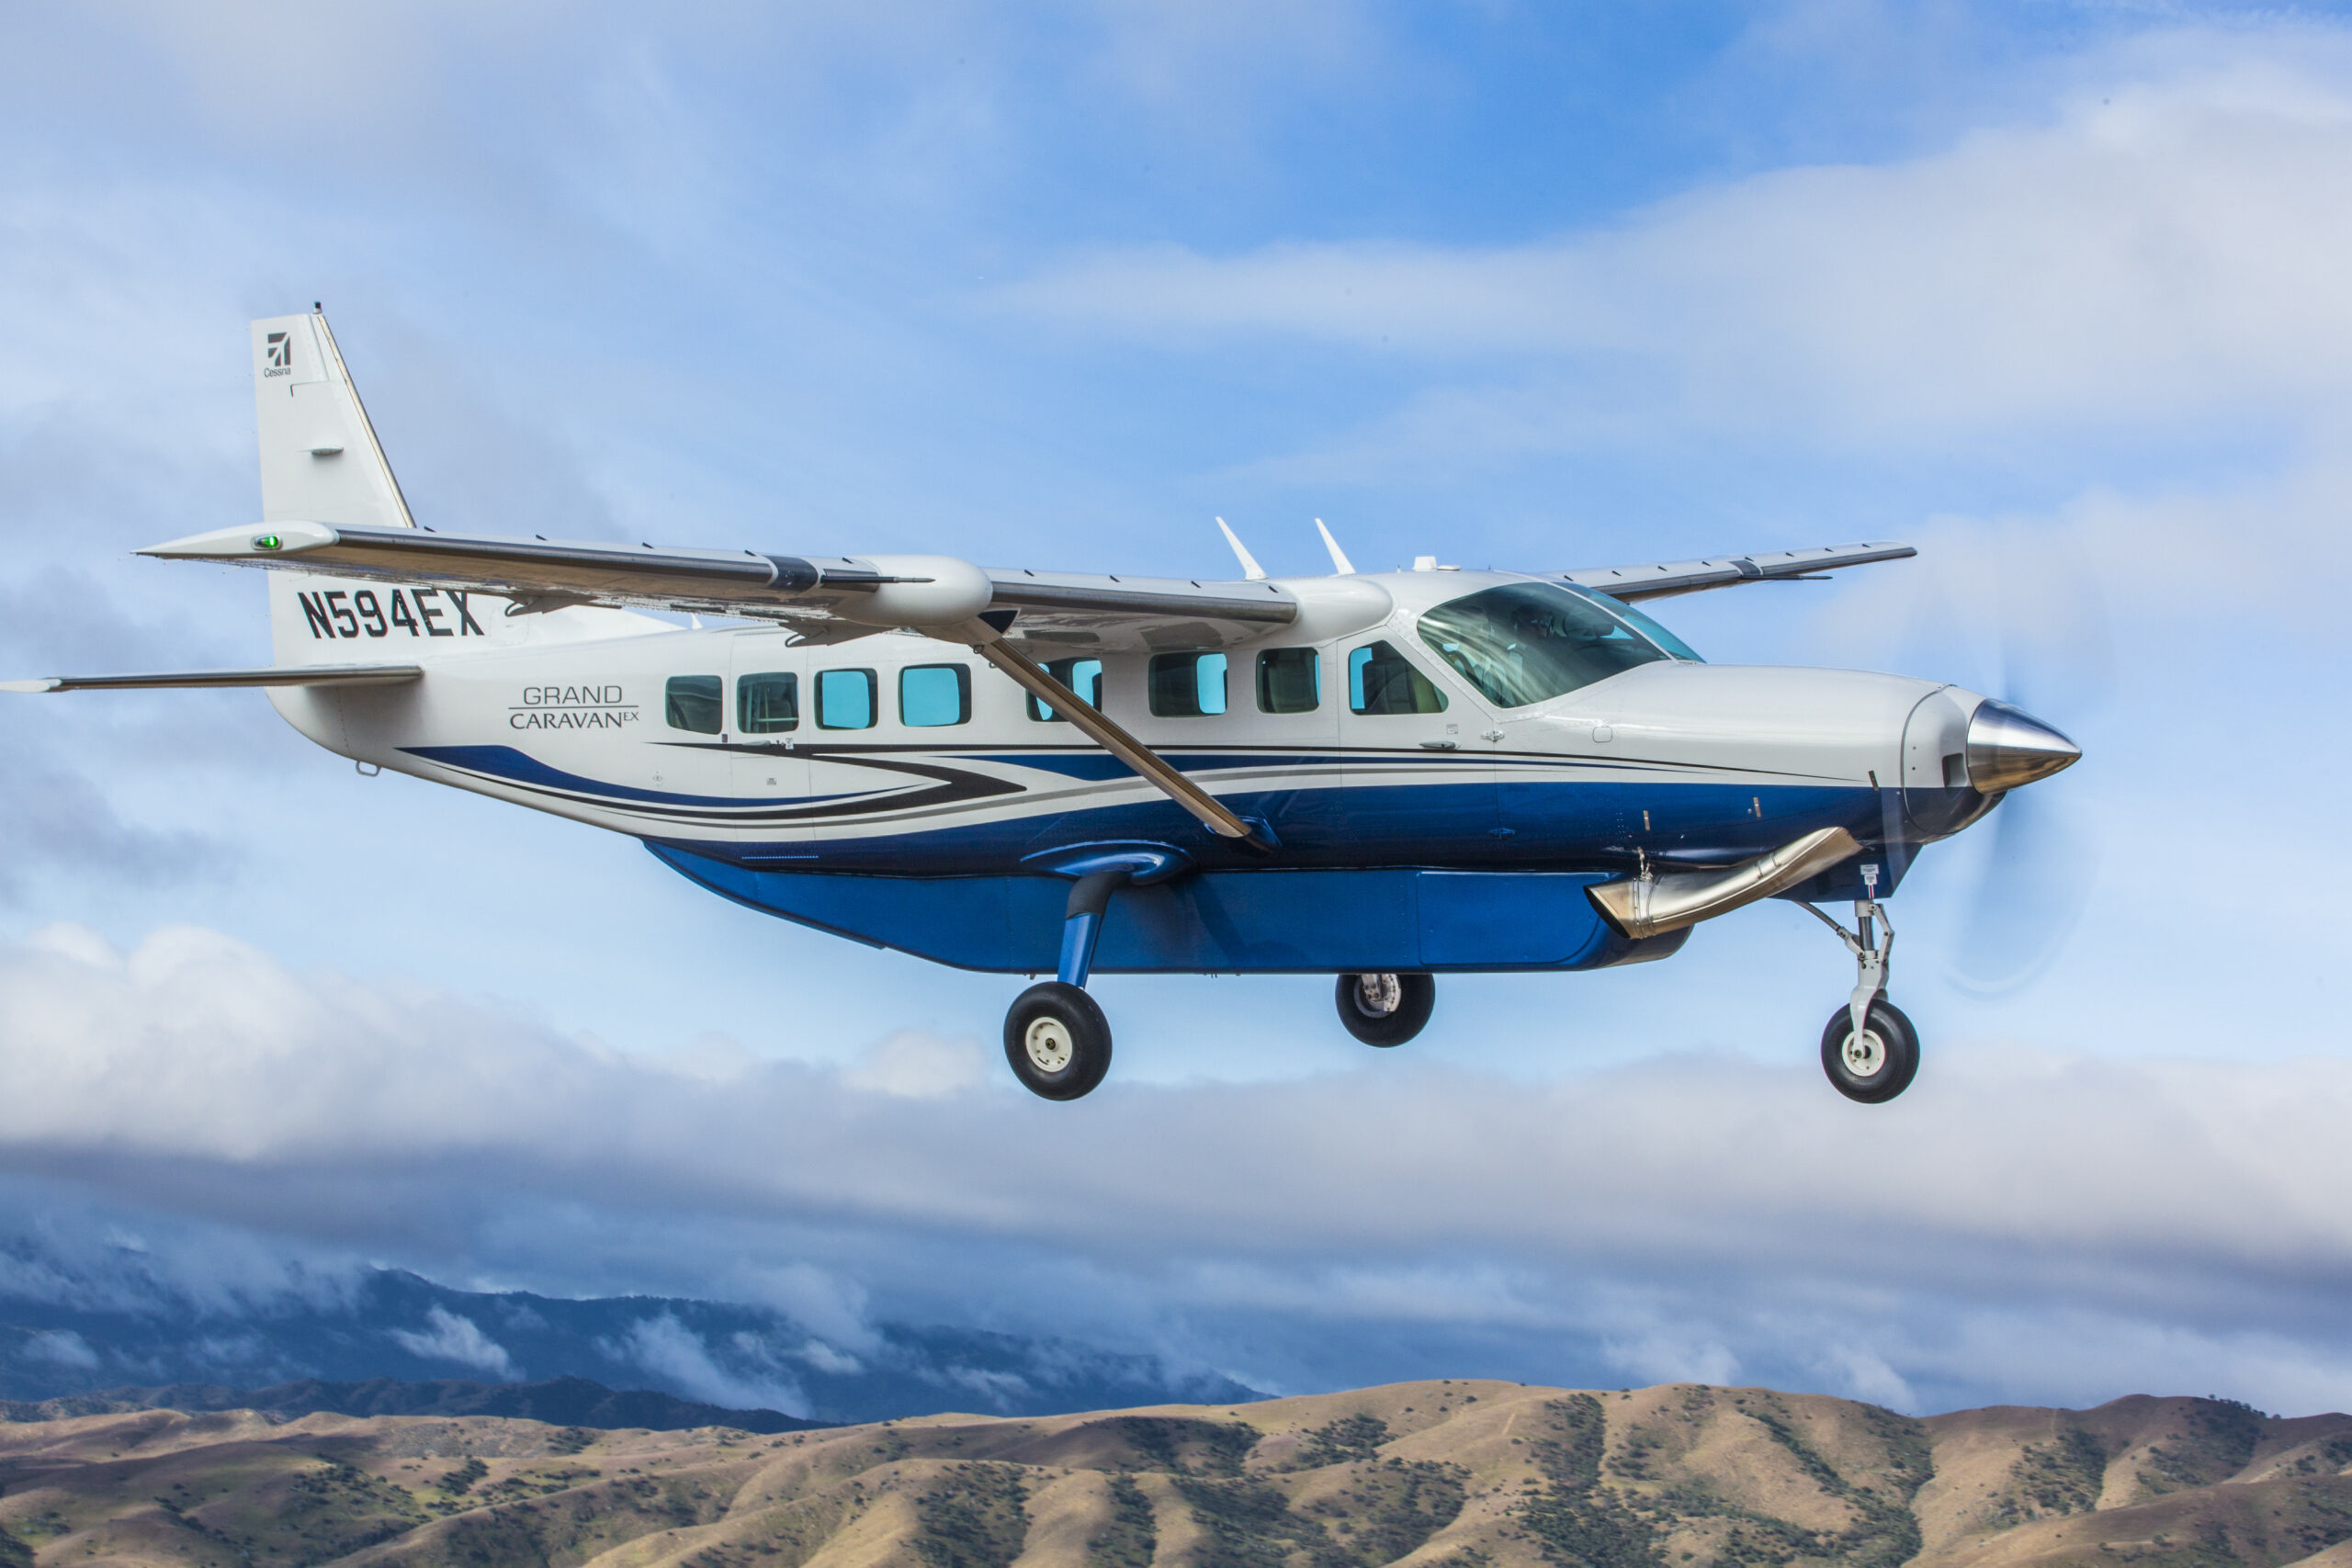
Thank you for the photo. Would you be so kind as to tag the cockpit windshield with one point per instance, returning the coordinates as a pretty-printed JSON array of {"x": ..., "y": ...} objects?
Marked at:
[{"x": 1525, "y": 642}]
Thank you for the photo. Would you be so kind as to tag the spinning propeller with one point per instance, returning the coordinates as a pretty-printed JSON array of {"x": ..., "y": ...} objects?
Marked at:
[
  {"x": 2031, "y": 891},
  {"x": 2035, "y": 874}
]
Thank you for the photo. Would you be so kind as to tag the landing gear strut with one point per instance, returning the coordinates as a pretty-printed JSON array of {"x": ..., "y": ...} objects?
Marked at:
[
  {"x": 1056, "y": 1037},
  {"x": 1385, "y": 1009},
  {"x": 1869, "y": 1049}
]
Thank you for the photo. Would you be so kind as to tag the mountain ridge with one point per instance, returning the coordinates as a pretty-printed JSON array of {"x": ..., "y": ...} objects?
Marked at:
[
  {"x": 128, "y": 1329},
  {"x": 556, "y": 1402},
  {"x": 1470, "y": 1474}
]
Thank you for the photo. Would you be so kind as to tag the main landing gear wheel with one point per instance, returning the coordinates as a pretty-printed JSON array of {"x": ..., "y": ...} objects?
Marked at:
[
  {"x": 1876, "y": 1065},
  {"x": 1057, "y": 1041},
  {"x": 1385, "y": 1009}
]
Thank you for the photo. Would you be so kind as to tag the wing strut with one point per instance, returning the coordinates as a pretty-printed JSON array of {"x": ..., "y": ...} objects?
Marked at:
[{"x": 1040, "y": 684}]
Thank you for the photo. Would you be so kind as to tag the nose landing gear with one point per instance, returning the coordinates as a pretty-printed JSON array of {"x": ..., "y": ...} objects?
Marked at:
[
  {"x": 1869, "y": 1048},
  {"x": 1874, "y": 1064}
]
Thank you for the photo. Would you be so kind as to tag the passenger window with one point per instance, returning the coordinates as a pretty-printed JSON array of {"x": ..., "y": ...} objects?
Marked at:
[
  {"x": 1082, "y": 676},
  {"x": 694, "y": 702},
  {"x": 932, "y": 694},
  {"x": 845, "y": 699},
  {"x": 767, "y": 705},
  {"x": 1290, "y": 679},
  {"x": 1187, "y": 686},
  {"x": 1381, "y": 679}
]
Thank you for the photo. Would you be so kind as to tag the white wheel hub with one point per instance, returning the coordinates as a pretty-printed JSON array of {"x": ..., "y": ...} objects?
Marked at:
[
  {"x": 1865, "y": 1054},
  {"x": 1049, "y": 1043},
  {"x": 1379, "y": 995}
]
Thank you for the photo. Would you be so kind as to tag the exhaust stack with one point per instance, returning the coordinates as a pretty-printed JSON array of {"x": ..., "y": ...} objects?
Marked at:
[{"x": 1651, "y": 905}]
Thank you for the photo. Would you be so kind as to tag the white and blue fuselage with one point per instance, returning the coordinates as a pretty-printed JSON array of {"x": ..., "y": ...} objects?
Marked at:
[{"x": 1420, "y": 811}]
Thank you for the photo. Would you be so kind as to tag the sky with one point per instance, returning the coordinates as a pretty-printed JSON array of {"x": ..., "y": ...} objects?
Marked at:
[{"x": 2053, "y": 291}]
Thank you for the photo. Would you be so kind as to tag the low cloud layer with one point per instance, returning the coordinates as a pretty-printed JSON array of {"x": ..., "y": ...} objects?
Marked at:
[{"x": 1691, "y": 1216}]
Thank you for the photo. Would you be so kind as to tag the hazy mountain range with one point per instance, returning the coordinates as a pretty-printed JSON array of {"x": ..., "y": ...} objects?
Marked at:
[
  {"x": 1473, "y": 1473},
  {"x": 66, "y": 1334}
]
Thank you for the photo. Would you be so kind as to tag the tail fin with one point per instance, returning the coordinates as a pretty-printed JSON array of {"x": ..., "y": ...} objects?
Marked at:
[
  {"x": 319, "y": 460},
  {"x": 320, "y": 463}
]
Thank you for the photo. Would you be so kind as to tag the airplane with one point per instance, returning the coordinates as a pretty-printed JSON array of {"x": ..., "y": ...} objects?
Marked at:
[{"x": 1382, "y": 776}]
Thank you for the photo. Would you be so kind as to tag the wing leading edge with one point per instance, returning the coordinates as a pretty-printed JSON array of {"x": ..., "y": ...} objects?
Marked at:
[
  {"x": 1665, "y": 579},
  {"x": 828, "y": 598},
  {"x": 835, "y": 598}
]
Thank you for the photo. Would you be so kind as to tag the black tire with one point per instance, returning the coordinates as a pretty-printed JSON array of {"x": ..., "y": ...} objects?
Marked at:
[
  {"x": 1872, "y": 1077},
  {"x": 1057, "y": 1041},
  {"x": 1416, "y": 997}
]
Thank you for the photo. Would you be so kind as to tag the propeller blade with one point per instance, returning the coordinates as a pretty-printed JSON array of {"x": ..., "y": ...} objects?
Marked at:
[{"x": 2030, "y": 896}]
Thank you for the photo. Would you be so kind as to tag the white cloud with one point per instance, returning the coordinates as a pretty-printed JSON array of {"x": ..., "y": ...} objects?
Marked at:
[
  {"x": 819, "y": 1300},
  {"x": 61, "y": 1346},
  {"x": 451, "y": 1336},
  {"x": 915, "y": 1066},
  {"x": 1662, "y": 1356},
  {"x": 675, "y": 1353},
  {"x": 2163, "y": 247},
  {"x": 825, "y": 1358},
  {"x": 1697, "y": 1213}
]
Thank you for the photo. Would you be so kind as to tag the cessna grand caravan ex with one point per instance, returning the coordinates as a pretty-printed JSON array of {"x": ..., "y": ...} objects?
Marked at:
[{"x": 1378, "y": 775}]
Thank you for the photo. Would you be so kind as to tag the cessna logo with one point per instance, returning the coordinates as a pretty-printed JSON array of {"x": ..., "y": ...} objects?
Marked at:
[{"x": 277, "y": 355}]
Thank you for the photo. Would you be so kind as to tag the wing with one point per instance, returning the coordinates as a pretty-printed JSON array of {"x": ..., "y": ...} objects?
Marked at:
[
  {"x": 828, "y": 598},
  {"x": 1659, "y": 580},
  {"x": 289, "y": 675}
]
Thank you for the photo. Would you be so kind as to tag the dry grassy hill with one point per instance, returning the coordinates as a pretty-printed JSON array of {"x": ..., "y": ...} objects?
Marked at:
[{"x": 1477, "y": 1475}]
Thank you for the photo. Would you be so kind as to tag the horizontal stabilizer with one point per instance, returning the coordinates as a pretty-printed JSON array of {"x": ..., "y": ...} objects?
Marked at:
[{"x": 289, "y": 675}]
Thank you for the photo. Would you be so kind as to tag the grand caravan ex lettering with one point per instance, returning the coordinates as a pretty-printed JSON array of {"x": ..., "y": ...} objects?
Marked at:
[
  {"x": 410, "y": 610},
  {"x": 572, "y": 707}
]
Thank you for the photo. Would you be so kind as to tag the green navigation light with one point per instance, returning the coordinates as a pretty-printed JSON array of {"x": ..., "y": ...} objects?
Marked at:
[{"x": 268, "y": 542}]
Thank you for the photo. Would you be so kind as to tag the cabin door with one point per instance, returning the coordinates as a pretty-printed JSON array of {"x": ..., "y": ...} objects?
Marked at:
[{"x": 1420, "y": 778}]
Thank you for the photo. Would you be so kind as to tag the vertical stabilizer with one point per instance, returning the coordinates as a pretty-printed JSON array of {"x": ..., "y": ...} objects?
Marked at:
[
  {"x": 320, "y": 463},
  {"x": 319, "y": 460}
]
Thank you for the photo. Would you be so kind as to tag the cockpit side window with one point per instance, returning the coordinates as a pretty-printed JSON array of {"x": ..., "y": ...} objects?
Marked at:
[
  {"x": 1525, "y": 642},
  {"x": 1290, "y": 679},
  {"x": 1381, "y": 679}
]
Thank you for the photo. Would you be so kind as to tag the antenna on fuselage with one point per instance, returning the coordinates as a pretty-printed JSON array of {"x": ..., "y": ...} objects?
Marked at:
[
  {"x": 1340, "y": 565},
  {"x": 1250, "y": 570}
]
